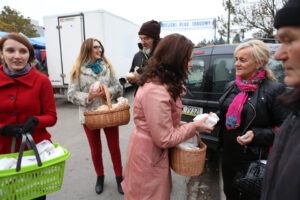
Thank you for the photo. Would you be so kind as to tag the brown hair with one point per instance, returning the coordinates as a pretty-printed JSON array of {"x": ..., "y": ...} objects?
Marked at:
[
  {"x": 169, "y": 63},
  {"x": 85, "y": 55},
  {"x": 19, "y": 38}
]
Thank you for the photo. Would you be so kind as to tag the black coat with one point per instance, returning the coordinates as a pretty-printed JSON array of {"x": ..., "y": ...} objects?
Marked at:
[
  {"x": 140, "y": 58},
  {"x": 261, "y": 113},
  {"x": 282, "y": 176}
]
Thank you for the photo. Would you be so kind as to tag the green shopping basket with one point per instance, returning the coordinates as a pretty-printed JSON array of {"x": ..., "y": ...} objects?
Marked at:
[{"x": 32, "y": 181}]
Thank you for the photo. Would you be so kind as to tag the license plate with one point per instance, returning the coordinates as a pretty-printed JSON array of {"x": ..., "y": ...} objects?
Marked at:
[{"x": 192, "y": 110}]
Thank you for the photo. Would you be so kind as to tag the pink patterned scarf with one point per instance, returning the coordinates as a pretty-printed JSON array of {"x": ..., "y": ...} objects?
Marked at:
[{"x": 233, "y": 116}]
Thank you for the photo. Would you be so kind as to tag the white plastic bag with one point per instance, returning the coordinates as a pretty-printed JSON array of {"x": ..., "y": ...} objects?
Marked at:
[
  {"x": 44, "y": 145},
  {"x": 211, "y": 121},
  {"x": 53, "y": 153},
  {"x": 191, "y": 143},
  {"x": 7, "y": 163}
]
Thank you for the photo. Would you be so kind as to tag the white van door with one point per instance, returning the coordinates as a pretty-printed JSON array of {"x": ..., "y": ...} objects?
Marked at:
[{"x": 71, "y": 36}]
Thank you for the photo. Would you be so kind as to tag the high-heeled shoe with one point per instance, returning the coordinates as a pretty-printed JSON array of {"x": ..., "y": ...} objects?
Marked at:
[
  {"x": 99, "y": 184},
  {"x": 119, "y": 179}
]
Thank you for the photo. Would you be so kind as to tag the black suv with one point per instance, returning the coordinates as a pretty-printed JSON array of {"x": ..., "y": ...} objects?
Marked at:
[{"x": 213, "y": 67}]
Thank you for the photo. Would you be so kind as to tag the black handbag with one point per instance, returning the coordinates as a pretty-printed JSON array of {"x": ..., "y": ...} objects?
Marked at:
[{"x": 249, "y": 179}]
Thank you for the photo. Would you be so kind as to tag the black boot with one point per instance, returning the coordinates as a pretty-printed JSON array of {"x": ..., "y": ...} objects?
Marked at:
[
  {"x": 99, "y": 184},
  {"x": 119, "y": 180}
]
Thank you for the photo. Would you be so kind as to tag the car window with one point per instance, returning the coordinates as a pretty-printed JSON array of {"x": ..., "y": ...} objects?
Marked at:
[
  {"x": 276, "y": 67},
  {"x": 223, "y": 71},
  {"x": 195, "y": 77}
]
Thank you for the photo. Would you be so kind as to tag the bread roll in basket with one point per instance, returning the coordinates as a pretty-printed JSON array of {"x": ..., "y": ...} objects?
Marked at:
[{"x": 107, "y": 118}]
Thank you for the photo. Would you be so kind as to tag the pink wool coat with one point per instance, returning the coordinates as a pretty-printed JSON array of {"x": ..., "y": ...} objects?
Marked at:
[{"x": 157, "y": 119}]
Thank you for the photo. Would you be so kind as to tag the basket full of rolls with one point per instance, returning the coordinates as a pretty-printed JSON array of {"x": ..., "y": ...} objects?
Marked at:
[{"x": 108, "y": 114}]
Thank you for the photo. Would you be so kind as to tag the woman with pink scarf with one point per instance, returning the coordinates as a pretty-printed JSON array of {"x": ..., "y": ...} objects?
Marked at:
[{"x": 249, "y": 113}]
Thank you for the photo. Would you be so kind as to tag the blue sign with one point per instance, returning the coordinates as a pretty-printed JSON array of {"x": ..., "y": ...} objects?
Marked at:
[{"x": 187, "y": 24}]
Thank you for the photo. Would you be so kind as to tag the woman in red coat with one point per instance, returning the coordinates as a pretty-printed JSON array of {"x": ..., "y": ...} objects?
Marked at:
[{"x": 27, "y": 100}]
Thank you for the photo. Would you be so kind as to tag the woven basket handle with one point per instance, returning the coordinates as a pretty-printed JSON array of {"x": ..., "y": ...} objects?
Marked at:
[{"x": 107, "y": 95}]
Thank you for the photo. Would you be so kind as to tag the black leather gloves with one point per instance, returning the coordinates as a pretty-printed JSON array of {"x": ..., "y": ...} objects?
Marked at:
[
  {"x": 12, "y": 130},
  {"x": 30, "y": 124},
  {"x": 17, "y": 129}
]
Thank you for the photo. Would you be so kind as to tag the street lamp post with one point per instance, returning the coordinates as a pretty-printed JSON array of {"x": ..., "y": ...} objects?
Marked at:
[{"x": 228, "y": 21}]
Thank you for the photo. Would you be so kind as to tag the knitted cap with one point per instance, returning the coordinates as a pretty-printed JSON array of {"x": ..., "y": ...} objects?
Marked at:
[
  {"x": 151, "y": 29},
  {"x": 289, "y": 15}
]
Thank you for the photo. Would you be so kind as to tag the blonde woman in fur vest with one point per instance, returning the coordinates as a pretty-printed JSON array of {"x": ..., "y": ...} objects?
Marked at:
[{"x": 92, "y": 66}]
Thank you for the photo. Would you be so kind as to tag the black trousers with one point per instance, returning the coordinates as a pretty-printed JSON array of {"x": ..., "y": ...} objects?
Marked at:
[
  {"x": 40, "y": 198},
  {"x": 229, "y": 170}
]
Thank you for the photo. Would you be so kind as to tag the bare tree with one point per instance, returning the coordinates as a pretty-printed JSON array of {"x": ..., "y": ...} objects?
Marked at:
[
  {"x": 256, "y": 15},
  {"x": 224, "y": 24}
]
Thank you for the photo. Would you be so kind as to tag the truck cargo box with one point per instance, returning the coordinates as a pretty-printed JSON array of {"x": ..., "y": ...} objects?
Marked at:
[{"x": 65, "y": 33}]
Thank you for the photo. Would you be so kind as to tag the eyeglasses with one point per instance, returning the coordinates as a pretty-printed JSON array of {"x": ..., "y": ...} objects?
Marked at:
[{"x": 97, "y": 47}]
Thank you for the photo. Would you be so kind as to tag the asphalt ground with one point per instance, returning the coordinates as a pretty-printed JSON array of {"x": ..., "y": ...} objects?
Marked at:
[{"x": 80, "y": 177}]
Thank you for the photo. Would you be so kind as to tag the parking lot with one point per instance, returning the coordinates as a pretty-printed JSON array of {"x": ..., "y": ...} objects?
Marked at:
[{"x": 80, "y": 178}]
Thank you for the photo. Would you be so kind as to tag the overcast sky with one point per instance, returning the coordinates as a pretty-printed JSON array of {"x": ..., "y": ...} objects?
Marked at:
[{"x": 137, "y": 11}]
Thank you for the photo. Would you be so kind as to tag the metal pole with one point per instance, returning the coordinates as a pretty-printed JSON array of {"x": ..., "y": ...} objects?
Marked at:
[
  {"x": 215, "y": 31},
  {"x": 215, "y": 36},
  {"x": 228, "y": 25}
]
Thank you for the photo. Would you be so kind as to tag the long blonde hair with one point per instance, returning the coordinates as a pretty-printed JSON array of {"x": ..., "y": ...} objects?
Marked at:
[
  {"x": 261, "y": 54},
  {"x": 85, "y": 55}
]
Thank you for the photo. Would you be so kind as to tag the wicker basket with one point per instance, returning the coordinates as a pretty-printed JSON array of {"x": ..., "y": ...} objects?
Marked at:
[
  {"x": 188, "y": 162},
  {"x": 107, "y": 118}
]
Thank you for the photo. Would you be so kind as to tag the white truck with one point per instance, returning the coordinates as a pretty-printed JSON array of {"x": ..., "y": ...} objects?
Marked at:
[{"x": 65, "y": 33}]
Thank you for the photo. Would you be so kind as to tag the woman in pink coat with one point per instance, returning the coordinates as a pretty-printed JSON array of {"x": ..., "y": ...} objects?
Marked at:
[{"x": 157, "y": 111}]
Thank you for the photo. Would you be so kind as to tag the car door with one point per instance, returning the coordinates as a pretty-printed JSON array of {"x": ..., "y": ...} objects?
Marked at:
[
  {"x": 196, "y": 88},
  {"x": 223, "y": 71}
]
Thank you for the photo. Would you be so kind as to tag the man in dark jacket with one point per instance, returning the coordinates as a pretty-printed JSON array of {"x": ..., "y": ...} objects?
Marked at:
[
  {"x": 282, "y": 177},
  {"x": 149, "y": 36}
]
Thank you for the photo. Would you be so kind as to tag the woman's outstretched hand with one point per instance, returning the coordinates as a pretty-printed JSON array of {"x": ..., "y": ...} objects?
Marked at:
[
  {"x": 245, "y": 139},
  {"x": 202, "y": 127}
]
